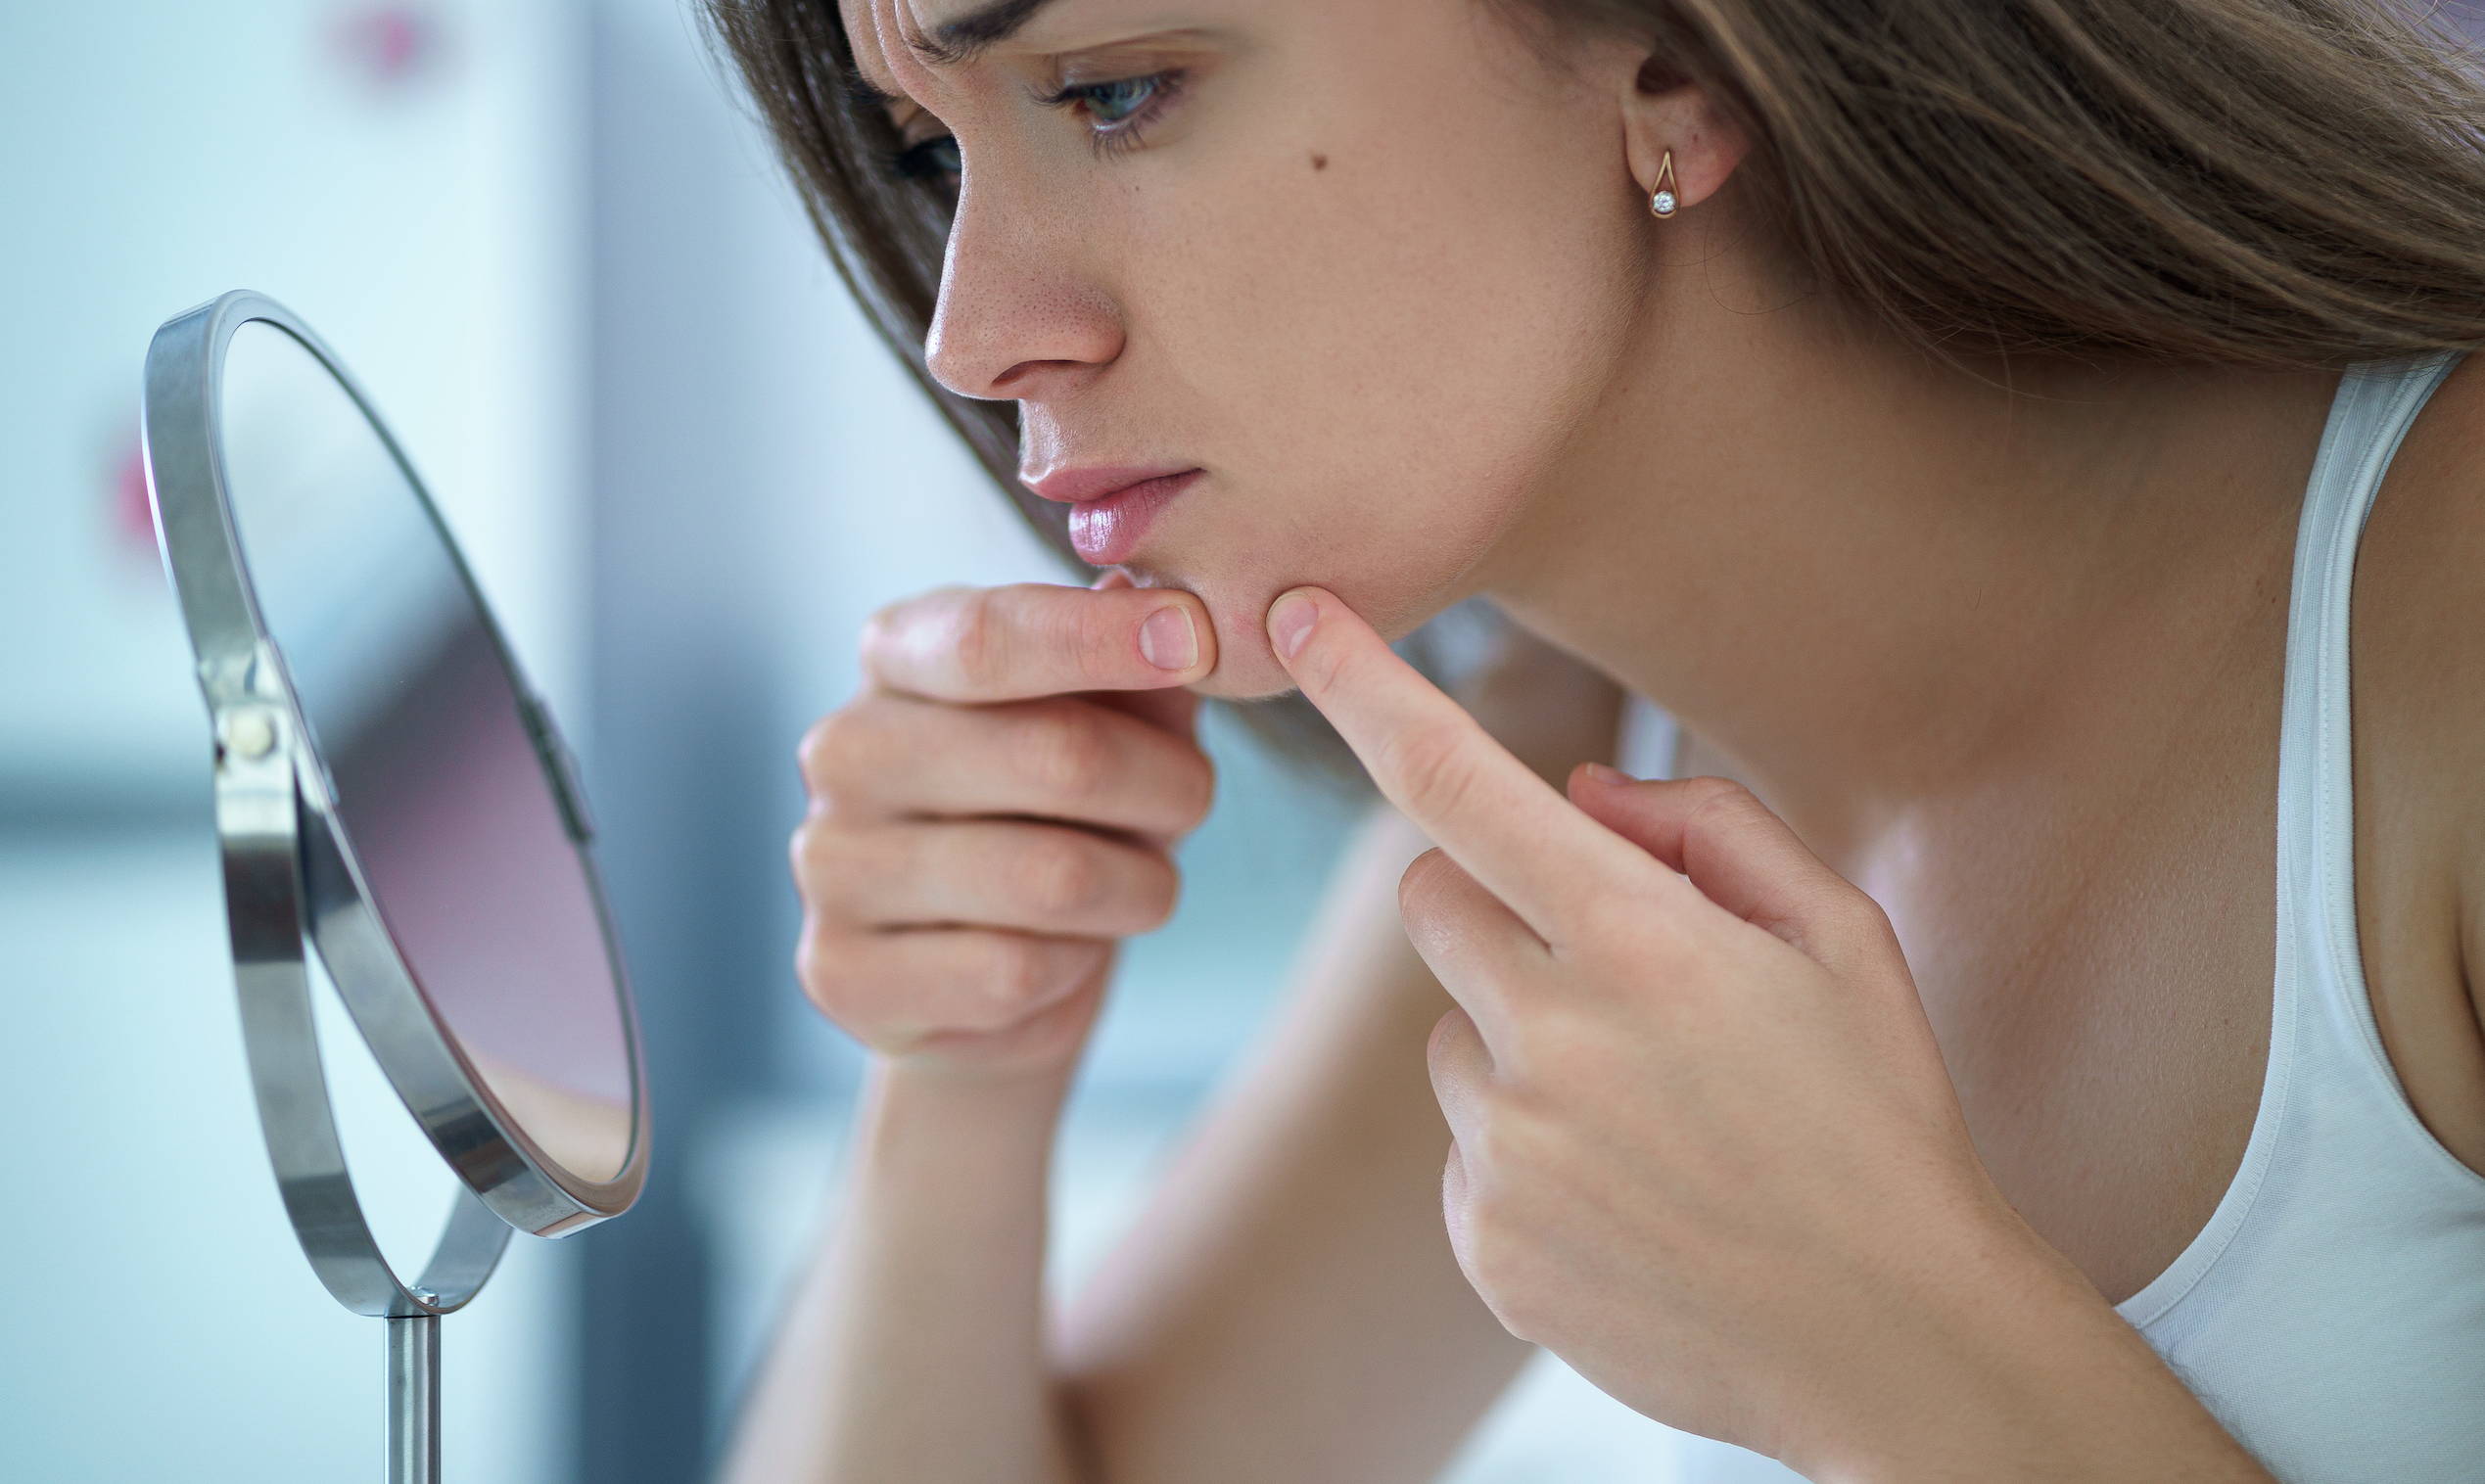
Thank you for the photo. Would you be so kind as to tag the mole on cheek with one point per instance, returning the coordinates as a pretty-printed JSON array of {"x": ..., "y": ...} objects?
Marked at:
[{"x": 1320, "y": 162}]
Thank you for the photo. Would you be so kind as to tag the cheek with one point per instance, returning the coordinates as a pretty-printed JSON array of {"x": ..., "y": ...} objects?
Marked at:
[{"x": 1383, "y": 359}]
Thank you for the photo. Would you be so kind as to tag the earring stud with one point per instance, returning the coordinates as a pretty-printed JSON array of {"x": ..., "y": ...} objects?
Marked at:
[{"x": 1661, "y": 197}]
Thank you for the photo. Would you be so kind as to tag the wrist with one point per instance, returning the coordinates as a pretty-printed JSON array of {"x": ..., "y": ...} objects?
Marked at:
[
  {"x": 951, "y": 1112},
  {"x": 932, "y": 1079},
  {"x": 2013, "y": 1367}
]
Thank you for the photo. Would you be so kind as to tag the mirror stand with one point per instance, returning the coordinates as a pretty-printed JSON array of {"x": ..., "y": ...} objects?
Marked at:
[
  {"x": 391, "y": 795},
  {"x": 413, "y": 1438}
]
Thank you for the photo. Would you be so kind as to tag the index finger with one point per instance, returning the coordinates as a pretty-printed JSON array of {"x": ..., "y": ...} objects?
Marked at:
[
  {"x": 1492, "y": 813},
  {"x": 1026, "y": 639}
]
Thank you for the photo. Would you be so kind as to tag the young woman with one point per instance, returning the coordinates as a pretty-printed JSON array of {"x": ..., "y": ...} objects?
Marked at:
[{"x": 2029, "y": 1043}]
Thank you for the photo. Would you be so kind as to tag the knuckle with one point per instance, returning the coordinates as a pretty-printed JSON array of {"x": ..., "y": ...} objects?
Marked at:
[
  {"x": 1710, "y": 790},
  {"x": 1852, "y": 923},
  {"x": 1158, "y": 893},
  {"x": 1854, "y": 915},
  {"x": 821, "y": 857},
  {"x": 798, "y": 847},
  {"x": 1016, "y": 974},
  {"x": 830, "y": 748},
  {"x": 812, "y": 754},
  {"x": 1431, "y": 765},
  {"x": 873, "y": 640},
  {"x": 979, "y": 637},
  {"x": 1195, "y": 791},
  {"x": 1057, "y": 876},
  {"x": 1618, "y": 914},
  {"x": 1069, "y": 754},
  {"x": 825, "y": 974},
  {"x": 1100, "y": 638},
  {"x": 1711, "y": 797}
]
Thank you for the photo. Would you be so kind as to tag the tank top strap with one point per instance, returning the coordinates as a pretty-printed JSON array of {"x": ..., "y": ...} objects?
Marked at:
[{"x": 2375, "y": 404}]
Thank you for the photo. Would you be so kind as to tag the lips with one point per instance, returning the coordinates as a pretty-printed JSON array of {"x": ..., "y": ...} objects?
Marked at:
[
  {"x": 1110, "y": 508},
  {"x": 1075, "y": 486}
]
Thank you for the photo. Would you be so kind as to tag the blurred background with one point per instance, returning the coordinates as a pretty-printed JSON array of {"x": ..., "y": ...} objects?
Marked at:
[{"x": 549, "y": 241}]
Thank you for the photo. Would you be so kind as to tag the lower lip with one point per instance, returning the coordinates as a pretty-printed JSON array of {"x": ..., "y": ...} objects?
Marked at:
[{"x": 1108, "y": 530}]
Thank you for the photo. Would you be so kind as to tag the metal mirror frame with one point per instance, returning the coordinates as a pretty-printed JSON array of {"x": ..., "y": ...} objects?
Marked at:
[{"x": 289, "y": 865}]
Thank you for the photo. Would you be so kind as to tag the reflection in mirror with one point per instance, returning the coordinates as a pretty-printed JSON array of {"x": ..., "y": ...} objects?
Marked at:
[{"x": 434, "y": 777}]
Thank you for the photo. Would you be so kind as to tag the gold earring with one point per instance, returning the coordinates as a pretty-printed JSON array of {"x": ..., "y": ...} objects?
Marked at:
[{"x": 1661, "y": 197}]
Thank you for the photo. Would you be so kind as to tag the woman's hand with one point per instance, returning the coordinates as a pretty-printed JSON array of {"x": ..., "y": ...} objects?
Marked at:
[
  {"x": 1704, "y": 1147},
  {"x": 994, "y": 812}
]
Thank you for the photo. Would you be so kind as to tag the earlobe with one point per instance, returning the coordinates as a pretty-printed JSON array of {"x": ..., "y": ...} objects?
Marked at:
[{"x": 1679, "y": 147}]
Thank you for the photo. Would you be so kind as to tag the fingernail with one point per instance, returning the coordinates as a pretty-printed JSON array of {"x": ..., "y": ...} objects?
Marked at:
[
  {"x": 1290, "y": 623},
  {"x": 1168, "y": 640},
  {"x": 1609, "y": 775}
]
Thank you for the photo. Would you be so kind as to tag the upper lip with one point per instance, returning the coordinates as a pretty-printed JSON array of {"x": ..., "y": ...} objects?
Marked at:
[{"x": 1071, "y": 485}]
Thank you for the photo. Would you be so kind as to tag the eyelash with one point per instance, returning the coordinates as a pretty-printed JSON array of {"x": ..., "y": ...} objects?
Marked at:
[
  {"x": 1126, "y": 130},
  {"x": 924, "y": 158}
]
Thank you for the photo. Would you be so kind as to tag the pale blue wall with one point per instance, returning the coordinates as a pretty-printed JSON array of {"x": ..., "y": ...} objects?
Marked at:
[{"x": 159, "y": 1322}]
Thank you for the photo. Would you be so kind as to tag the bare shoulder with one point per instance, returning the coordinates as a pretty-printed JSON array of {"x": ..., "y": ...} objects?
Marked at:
[
  {"x": 2418, "y": 660},
  {"x": 2418, "y": 678}
]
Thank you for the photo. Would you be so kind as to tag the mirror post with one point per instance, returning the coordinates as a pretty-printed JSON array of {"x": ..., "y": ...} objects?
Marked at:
[{"x": 413, "y": 1436}]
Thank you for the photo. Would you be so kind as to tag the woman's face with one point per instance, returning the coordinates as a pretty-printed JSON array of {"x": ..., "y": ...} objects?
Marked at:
[{"x": 1370, "y": 265}]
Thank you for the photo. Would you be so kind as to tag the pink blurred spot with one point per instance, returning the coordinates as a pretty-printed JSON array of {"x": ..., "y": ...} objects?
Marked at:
[
  {"x": 133, "y": 516},
  {"x": 389, "y": 45}
]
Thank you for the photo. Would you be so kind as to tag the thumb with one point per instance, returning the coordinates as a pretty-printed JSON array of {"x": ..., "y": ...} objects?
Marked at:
[
  {"x": 1176, "y": 710},
  {"x": 1741, "y": 856}
]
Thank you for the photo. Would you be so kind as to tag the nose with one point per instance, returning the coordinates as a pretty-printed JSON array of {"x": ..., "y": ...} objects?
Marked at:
[{"x": 1021, "y": 314}]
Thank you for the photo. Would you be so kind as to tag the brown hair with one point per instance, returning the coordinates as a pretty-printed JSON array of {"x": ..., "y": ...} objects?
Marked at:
[{"x": 2277, "y": 183}]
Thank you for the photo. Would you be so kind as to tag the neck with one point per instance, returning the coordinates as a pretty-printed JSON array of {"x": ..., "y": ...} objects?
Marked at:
[{"x": 1868, "y": 578}]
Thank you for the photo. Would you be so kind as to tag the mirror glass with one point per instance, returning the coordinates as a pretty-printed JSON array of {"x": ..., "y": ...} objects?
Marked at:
[{"x": 437, "y": 782}]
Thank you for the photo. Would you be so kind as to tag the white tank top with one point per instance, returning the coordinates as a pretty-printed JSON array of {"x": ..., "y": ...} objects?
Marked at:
[{"x": 2332, "y": 1312}]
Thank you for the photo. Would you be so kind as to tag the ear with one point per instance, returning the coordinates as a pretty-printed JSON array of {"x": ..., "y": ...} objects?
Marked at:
[{"x": 1664, "y": 111}]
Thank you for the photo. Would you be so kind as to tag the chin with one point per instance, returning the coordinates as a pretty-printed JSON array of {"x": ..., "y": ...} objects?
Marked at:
[
  {"x": 1248, "y": 668},
  {"x": 1241, "y": 675}
]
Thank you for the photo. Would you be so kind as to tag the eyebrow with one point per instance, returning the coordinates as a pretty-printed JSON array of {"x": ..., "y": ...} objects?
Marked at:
[
  {"x": 968, "y": 36},
  {"x": 950, "y": 43}
]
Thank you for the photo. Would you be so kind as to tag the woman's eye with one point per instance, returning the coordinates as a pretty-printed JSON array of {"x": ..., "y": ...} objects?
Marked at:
[
  {"x": 934, "y": 157},
  {"x": 1118, "y": 110},
  {"x": 1112, "y": 102}
]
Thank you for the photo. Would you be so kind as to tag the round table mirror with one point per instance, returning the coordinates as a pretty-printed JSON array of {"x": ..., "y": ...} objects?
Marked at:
[{"x": 393, "y": 804}]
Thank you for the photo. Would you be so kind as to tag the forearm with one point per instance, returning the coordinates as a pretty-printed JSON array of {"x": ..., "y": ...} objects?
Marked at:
[
  {"x": 914, "y": 1349},
  {"x": 1286, "y": 1306}
]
